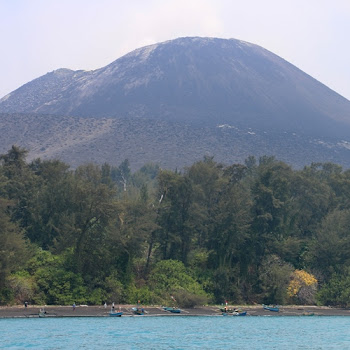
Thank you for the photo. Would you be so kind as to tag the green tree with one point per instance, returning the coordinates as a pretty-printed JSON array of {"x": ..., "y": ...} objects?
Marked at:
[
  {"x": 19, "y": 184},
  {"x": 171, "y": 276},
  {"x": 329, "y": 251},
  {"x": 274, "y": 279},
  {"x": 94, "y": 210},
  {"x": 336, "y": 291},
  {"x": 207, "y": 181},
  {"x": 51, "y": 219},
  {"x": 56, "y": 282},
  {"x": 122, "y": 174},
  {"x": 13, "y": 248},
  {"x": 175, "y": 193}
]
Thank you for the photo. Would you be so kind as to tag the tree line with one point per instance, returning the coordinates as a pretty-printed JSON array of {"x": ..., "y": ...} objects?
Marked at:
[{"x": 258, "y": 232}]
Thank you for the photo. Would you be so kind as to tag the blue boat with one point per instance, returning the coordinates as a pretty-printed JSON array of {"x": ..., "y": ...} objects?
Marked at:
[
  {"x": 239, "y": 313},
  {"x": 138, "y": 311},
  {"x": 174, "y": 310},
  {"x": 115, "y": 314},
  {"x": 235, "y": 313},
  {"x": 271, "y": 308}
]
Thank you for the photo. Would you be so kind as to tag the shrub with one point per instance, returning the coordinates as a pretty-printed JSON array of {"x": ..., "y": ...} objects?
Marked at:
[
  {"x": 186, "y": 299},
  {"x": 170, "y": 276},
  {"x": 132, "y": 295},
  {"x": 114, "y": 290},
  {"x": 274, "y": 278},
  {"x": 96, "y": 297},
  {"x": 302, "y": 287},
  {"x": 23, "y": 287},
  {"x": 6, "y": 296},
  {"x": 336, "y": 292}
]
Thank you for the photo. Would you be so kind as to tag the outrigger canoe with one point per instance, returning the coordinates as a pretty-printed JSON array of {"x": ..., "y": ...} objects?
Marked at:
[
  {"x": 271, "y": 308},
  {"x": 138, "y": 311},
  {"x": 116, "y": 314},
  {"x": 174, "y": 310},
  {"x": 241, "y": 313},
  {"x": 308, "y": 314},
  {"x": 235, "y": 313}
]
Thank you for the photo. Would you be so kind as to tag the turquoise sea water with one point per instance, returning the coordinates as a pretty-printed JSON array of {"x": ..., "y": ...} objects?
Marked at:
[{"x": 141, "y": 332}]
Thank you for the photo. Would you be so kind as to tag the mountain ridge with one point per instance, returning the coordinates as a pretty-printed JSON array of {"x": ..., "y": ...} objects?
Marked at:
[
  {"x": 203, "y": 64},
  {"x": 199, "y": 83}
]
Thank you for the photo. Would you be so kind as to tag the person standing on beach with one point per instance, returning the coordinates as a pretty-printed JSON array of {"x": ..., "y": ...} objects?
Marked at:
[
  {"x": 25, "y": 304},
  {"x": 74, "y": 306}
]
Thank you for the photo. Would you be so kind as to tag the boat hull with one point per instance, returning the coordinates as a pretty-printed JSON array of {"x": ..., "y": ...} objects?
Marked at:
[
  {"x": 138, "y": 311},
  {"x": 115, "y": 314},
  {"x": 244, "y": 313},
  {"x": 175, "y": 311},
  {"x": 172, "y": 309},
  {"x": 271, "y": 308}
]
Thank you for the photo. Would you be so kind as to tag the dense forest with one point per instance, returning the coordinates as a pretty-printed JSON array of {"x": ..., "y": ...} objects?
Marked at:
[{"x": 259, "y": 232}]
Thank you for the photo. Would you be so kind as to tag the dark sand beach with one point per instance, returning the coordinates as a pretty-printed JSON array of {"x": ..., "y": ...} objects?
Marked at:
[{"x": 101, "y": 311}]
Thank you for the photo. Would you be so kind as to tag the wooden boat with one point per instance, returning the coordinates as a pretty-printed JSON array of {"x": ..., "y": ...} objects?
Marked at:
[
  {"x": 42, "y": 313},
  {"x": 138, "y": 311},
  {"x": 174, "y": 310},
  {"x": 115, "y": 314},
  {"x": 239, "y": 313},
  {"x": 271, "y": 308},
  {"x": 308, "y": 314},
  {"x": 235, "y": 313}
]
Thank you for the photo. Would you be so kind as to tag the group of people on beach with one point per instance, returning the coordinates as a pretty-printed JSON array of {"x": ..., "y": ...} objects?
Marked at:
[
  {"x": 74, "y": 306},
  {"x": 105, "y": 306}
]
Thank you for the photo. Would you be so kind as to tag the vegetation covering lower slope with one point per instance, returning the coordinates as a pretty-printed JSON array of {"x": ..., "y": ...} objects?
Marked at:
[{"x": 258, "y": 232}]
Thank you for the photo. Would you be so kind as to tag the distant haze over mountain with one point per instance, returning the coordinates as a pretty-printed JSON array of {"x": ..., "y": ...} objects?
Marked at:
[{"x": 206, "y": 84}]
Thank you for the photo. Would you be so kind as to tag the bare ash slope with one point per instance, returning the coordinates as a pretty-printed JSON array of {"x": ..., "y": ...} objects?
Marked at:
[{"x": 77, "y": 140}]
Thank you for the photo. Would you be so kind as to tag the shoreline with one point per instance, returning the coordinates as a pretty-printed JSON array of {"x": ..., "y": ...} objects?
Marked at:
[{"x": 32, "y": 311}]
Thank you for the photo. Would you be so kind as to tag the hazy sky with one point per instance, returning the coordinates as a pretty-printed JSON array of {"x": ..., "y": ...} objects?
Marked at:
[{"x": 38, "y": 36}]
